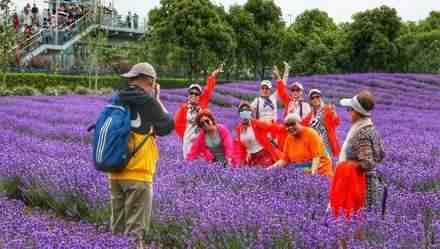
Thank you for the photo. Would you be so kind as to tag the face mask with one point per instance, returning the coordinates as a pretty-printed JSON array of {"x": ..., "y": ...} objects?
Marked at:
[{"x": 245, "y": 114}]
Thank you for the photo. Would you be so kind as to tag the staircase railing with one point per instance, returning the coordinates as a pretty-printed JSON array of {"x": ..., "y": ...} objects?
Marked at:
[{"x": 47, "y": 36}]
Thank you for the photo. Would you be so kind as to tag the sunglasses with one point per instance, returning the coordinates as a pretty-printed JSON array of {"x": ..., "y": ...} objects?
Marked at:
[
  {"x": 265, "y": 88},
  {"x": 194, "y": 93},
  {"x": 291, "y": 124},
  {"x": 349, "y": 109},
  {"x": 295, "y": 90}
]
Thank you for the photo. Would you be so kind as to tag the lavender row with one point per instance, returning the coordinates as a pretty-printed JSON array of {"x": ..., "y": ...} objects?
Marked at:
[{"x": 24, "y": 228}]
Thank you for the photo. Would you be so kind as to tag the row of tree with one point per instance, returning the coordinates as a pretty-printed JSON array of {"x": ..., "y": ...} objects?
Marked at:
[{"x": 193, "y": 36}]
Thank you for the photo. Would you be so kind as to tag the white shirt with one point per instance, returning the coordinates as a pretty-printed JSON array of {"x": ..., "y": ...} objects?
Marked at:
[
  {"x": 28, "y": 20},
  {"x": 191, "y": 131},
  {"x": 266, "y": 112},
  {"x": 294, "y": 107},
  {"x": 249, "y": 140}
]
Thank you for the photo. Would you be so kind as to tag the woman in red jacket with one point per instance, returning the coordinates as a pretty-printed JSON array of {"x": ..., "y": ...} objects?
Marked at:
[
  {"x": 252, "y": 146},
  {"x": 324, "y": 120},
  {"x": 184, "y": 119},
  {"x": 214, "y": 142}
]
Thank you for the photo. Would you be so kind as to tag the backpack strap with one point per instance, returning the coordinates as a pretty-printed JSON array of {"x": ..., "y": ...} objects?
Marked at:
[
  {"x": 300, "y": 108},
  {"x": 137, "y": 148},
  {"x": 257, "y": 114},
  {"x": 385, "y": 192}
]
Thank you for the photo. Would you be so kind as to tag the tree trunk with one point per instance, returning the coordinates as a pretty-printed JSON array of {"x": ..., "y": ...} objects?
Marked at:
[{"x": 96, "y": 77}]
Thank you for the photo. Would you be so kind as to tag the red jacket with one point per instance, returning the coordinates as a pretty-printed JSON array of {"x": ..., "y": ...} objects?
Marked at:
[
  {"x": 180, "y": 116},
  {"x": 331, "y": 121},
  {"x": 283, "y": 93},
  {"x": 261, "y": 130},
  {"x": 199, "y": 148}
]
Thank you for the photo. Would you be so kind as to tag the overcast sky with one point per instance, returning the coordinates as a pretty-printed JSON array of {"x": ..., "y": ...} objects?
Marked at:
[{"x": 339, "y": 10}]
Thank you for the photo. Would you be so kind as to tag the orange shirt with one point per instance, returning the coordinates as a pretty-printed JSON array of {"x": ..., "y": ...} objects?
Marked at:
[{"x": 306, "y": 147}]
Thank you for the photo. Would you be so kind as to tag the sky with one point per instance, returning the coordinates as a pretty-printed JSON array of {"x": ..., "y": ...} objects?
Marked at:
[{"x": 339, "y": 10}]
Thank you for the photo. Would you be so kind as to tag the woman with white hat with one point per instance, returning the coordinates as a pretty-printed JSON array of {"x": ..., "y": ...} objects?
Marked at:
[
  {"x": 363, "y": 148},
  {"x": 265, "y": 106},
  {"x": 293, "y": 102}
]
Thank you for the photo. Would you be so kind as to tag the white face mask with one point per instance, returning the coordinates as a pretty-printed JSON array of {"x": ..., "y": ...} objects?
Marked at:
[{"x": 245, "y": 114}]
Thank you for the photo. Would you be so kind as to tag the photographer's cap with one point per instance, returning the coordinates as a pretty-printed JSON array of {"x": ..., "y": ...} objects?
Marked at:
[{"x": 141, "y": 69}]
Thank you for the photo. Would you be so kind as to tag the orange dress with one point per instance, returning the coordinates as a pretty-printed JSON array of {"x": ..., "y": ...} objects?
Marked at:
[{"x": 304, "y": 148}]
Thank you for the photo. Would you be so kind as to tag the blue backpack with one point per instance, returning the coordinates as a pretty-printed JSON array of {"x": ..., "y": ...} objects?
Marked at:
[{"x": 110, "y": 140}]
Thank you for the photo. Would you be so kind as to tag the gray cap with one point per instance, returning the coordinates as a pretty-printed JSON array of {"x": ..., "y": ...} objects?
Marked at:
[{"x": 141, "y": 68}]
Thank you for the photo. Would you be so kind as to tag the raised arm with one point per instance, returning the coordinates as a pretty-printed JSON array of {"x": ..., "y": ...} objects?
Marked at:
[
  {"x": 180, "y": 120},
  {"x": 281, "y": 87},
  {"x": 211, "y": 82},
  {"x": 286, "y": 72}
]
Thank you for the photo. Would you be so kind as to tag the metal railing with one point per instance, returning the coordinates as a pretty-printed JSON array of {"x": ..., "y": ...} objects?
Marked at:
[
  {"x": 67, "y": 33},
  {"x": 62, "y": 35},
  {"x": 49, "y": 36},
  {"x": 121, "y": 22}
]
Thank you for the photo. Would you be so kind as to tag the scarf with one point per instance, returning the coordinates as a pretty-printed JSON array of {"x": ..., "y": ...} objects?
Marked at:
[
  {"x": 355, "y": 128},
  {"x": 268, "y": 102}
]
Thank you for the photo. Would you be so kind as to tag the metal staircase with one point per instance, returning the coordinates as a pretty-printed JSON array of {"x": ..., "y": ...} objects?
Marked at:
[{"x": 63, "y": 38}]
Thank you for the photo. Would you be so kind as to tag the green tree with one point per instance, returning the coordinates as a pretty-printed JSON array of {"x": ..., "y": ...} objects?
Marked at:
[
  {"x": 372, "y": 40},
  {"x": 7, "y": 38},
  {"x": 432, "y": 22},
  {"x": 244, "y": 26},
  {"x": 195, "y": 29},
  {"x": 420, "y": 52},
  {"x": 268, "y": 33},
  {"x": 310, "y": 43},
  {"x": 96, "y": 51}
]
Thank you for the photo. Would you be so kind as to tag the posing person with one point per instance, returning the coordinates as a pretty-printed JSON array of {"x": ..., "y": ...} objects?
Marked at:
[
  {"x": 253, "y": 146},
  {"x": 185, "y": 117},
  {"x": 304, "y": 149},
  {"x": 293, "y": 102},
  {"x": 324, "y": 119},
  {"x": 214, "y": 142}
]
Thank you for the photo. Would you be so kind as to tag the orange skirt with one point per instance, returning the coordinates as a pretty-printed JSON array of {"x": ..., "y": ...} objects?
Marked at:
[{"x": 347, "y": 192}]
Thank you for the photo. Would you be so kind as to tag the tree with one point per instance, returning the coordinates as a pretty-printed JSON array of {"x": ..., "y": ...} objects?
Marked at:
[
  {"x": 310, "y": 43},
  {"x": 243, "y": 25},
  {"x": 374, "y": 33},
  {"x": 432, "y": 22},
  {"x": 420, "y": 52},
  {"x": 96, "y": 49},
  {"x": 195, "y": 28},
  {"x": 267, "y": 31},
  {"x": 7, "y": 38}
]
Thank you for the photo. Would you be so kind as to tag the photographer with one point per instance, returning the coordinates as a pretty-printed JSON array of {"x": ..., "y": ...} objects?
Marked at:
[{"x": 131, "y": 189}]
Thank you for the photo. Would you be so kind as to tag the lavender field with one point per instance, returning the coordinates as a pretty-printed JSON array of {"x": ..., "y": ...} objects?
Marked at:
[{"x": 45, "y": 158}]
